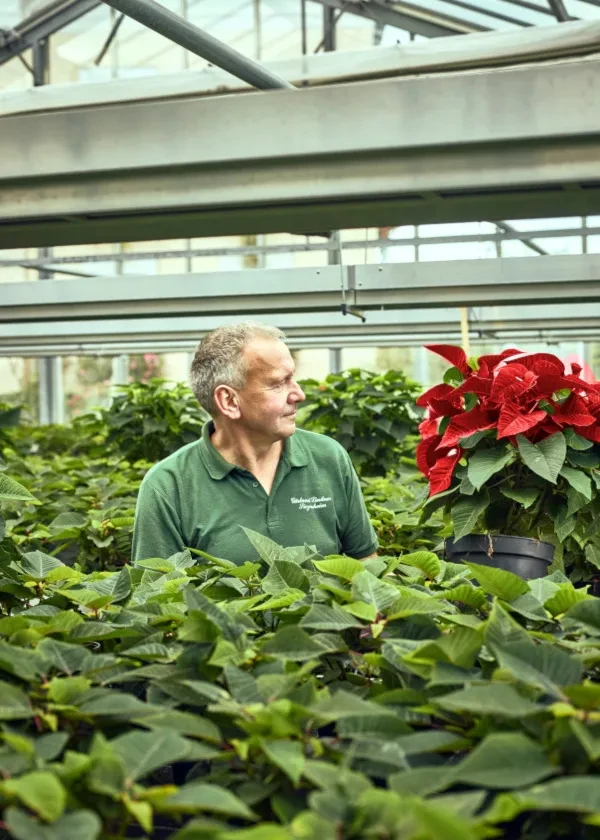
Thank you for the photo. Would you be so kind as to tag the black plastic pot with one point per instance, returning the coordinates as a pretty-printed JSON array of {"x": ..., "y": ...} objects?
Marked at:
[{"x": 521, "y": 555}]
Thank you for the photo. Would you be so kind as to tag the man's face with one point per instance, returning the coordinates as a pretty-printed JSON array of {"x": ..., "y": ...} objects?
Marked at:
[{"x": 269, "y": 398}]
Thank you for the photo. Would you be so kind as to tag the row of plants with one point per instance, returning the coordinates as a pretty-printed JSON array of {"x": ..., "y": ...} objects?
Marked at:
[
  {"x": 296, "y": 697},
  {"x": 86, "y": 475}
]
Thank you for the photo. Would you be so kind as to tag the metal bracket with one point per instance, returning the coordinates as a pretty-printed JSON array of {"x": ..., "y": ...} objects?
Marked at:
[{"x": 350, "y": 272}]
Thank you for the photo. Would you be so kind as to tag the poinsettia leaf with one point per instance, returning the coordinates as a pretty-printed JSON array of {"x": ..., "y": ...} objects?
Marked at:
[
  {"x": 578, "y": 480},
  {"x": 526, "y": 496},
  {"x": 499, "y": 582},
  {"x": 485, "y": 463},
  {"x": 504, "y": 760},
  {"x": 467, "y": 512},
  {"x": 545, "y": 458}
]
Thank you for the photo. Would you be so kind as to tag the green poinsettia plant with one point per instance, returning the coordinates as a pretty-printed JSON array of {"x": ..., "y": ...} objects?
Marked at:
[{"x": 511, "y": 445}]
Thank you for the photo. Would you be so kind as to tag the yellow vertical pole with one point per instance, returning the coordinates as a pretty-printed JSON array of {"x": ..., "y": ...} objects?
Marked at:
[{"x": 464, "y": 330}]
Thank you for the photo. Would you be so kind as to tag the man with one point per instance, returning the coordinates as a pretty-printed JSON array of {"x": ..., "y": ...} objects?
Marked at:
[{"x": 251, "y": 467}]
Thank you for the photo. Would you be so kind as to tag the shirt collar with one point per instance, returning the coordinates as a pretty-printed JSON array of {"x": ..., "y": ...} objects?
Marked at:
[{"x": 218, "y": 467}]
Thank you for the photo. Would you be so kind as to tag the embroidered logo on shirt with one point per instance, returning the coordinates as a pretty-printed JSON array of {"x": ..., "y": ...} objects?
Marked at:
[{"x": 311, "y": 503}]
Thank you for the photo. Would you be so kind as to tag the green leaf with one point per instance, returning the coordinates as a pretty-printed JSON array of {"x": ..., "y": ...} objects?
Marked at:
[
  {"x": 68, "y": 690},
  {"x": 485, "y": 463},
  {"x": 465, "y": 593},
  {"x": 267, "y": 550},
  {"x": 343, "y": 704},
  {"x": 368, "y": 612},
  {"x": 441, "y": 824},
  {"x": 526, "y": 496},
  {"x": 578, "y": 480},
  {"x": 498, "y": 582},
  {"x": 578, "y": 794},
  {"x": 40, "y": 791},
  {"x": 428, "y": 562},
  {"x": 14, "y": 703},
  {"x": 200, "y": 796},
  {"x": 65, "y": 521},
  {"x": 143, "y": 752},
  {"x": 575, "y": 441},
  {"x": 339, "y": 566},
  {"x": 78, "y": 825},
  {"x": 491, "y": 699},
  {"x": 504, "y": 760},
  {"x": 564, "y": 598},
  {"x": 287, "y": 755},
  {"x": 322, "y": 617},
  {"x": 286, "y": 599},
  {"x": 185, "y": 723},
  {"x": 36, "y": 564},
  {"x": 409, "y": 604},
  {"x": 292, "y": 643},
  {"x": 366, "y": 587},
  {"x": 545, "y": 458},
  {"x": 242, "y": 686},
  {"x": 587, "y": 614},
  {"x": 283, "y": 576},
  {"x": 467, "y": 512},
  {"x": 542, "y": 666},
  {"x": 11, "y": 489},
  {"x": 63, "y": 657}
]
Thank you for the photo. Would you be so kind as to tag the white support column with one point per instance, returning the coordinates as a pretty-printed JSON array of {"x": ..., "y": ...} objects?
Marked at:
[
  {"x": 335, "y": 359},
  {"x": 120, "y": 372},
  {"x": 52, "y": 401}
]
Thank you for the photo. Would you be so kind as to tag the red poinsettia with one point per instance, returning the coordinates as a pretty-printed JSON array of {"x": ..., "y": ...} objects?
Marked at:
[{"x": 510, "y": 393}]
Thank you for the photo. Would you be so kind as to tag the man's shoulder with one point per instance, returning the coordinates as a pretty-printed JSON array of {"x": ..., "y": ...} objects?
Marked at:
[
  {"x": 320, "y": 446},
  {"x": 167, "y": 471}
]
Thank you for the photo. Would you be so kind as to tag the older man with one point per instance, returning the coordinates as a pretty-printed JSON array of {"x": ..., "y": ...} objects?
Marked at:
[{"x": 251, "y": 467}]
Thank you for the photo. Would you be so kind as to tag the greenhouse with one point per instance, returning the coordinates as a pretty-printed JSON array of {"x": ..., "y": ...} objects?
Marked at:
[{"x": 299, "y": 419}]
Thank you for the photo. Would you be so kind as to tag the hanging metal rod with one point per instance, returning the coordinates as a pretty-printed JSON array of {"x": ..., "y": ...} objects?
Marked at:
[{"x": 190, "y": 37}]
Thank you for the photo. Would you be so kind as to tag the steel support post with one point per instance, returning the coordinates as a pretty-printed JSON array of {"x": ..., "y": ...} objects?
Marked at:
[
  {"x": 51, "y": 400},
  {"x": 329, "y": 21}
]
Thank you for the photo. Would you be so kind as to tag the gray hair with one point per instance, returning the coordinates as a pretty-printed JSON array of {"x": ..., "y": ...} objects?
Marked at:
[{"x": 218, "y": 359}]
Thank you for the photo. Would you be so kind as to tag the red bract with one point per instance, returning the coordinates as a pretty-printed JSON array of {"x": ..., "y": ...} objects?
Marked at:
[
  {"x": 440, "y": 475},
  {"x": 512, "y": 393},
  {"x": 455, "y": 355},
  {"x": 467, "y": 424},
  {"x": 511, "y": 422}
]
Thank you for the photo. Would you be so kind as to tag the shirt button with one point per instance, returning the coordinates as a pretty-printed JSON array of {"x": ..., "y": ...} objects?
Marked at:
[{"x": 255, "y": 483}]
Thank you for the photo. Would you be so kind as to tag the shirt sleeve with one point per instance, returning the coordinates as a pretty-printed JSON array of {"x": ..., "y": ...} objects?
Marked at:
[
  {"x": 157, "y": 528},
  {"x": 358, "y": 538}
]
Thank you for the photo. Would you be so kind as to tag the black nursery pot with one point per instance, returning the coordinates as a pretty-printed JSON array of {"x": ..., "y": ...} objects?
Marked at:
[{"x": 521, "y": 555}]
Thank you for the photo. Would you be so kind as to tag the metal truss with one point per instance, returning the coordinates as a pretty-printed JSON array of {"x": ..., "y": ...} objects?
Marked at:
[{"x": 41, "y": 25}]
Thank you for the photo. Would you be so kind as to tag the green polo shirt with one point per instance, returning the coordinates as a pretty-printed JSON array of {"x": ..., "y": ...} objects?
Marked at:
[{"x": 197, "y": 499}]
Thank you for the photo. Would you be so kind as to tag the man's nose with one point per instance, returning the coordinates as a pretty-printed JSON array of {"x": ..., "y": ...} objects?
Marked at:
[{"x": 297, "y": 395}]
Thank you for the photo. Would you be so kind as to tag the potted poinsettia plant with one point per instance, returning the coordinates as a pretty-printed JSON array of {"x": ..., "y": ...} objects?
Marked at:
[{"x": 511, "y": 447}]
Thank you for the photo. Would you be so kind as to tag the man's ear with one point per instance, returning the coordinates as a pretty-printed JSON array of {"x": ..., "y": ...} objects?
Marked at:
[{"x": 227, "y": 402}]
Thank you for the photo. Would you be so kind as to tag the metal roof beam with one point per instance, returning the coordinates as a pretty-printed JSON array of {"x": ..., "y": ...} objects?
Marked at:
[
  {"x": 404, "y": 16},
  {"x": 431, "y": 285},
  {"x": 334, "y": 157},
  {"x": 41, "y": 25}
]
